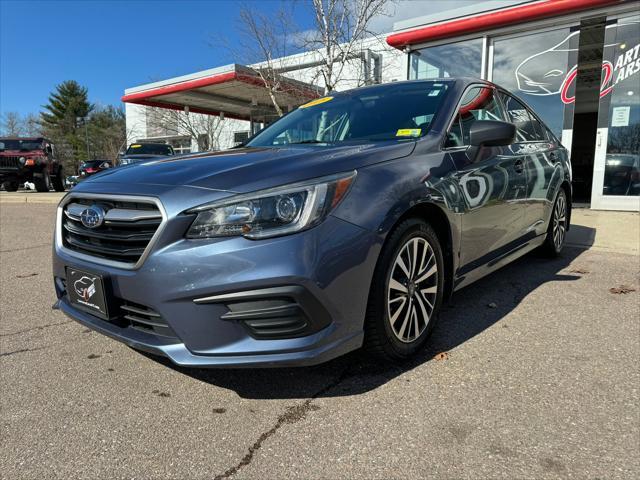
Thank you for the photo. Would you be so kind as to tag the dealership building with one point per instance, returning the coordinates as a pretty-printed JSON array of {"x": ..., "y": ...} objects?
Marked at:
[{"x": 576, "y": 62}]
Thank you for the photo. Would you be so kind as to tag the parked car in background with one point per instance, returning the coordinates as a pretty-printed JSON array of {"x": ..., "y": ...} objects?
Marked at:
[
  {"x": 345, "y": 223},
  {"x": 92, "y": 167},
  {"x": 621, "y": 174},
  {"x": 71, "y": 181},
  {"x": 29, "y": 159},
  {"x": 145, "y": 151}
]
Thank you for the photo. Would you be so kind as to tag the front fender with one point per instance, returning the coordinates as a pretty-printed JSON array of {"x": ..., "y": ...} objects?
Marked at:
[{"x": 384, "y": 193}]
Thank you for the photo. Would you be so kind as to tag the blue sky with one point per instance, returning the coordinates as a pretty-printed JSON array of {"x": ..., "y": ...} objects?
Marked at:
[{"x": 110, "y": 45}]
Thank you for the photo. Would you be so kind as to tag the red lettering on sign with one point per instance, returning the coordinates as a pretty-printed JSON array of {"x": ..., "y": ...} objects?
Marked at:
[{"x": 605, "y": 88}]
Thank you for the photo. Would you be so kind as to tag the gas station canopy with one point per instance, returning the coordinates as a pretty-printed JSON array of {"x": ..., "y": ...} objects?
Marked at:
[{"x": 234, "y": 90}]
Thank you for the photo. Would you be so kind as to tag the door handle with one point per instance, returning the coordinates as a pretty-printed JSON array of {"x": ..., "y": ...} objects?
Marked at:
[{"x": 519, "y": 166}]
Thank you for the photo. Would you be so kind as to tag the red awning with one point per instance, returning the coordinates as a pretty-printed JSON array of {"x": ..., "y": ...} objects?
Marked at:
[
  {"x": 235, "y": 90},
  {"x": 496, "y": 19}
]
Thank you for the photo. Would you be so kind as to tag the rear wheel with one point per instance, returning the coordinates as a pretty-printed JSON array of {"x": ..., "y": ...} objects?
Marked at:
[
  {"x": 42, "y": 182},
  {"x": 58, "y": 181},
  {"x": 11, "y": 186},
  {"x": 557, "y": 230},
  {"x": 406, "y": 292}
]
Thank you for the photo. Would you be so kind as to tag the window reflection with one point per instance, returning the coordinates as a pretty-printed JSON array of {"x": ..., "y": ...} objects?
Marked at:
[
  {"x": 460, "y": 59},
  {"x": 535, "y": 67},
  {"x": 622, "y": 162}
]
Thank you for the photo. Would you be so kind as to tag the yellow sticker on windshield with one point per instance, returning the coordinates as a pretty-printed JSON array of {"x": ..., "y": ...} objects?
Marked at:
[
  {"x": 317, "y": 101},
  {"x": 409, "y": 132},
  {"x": 136, "y": 146}
]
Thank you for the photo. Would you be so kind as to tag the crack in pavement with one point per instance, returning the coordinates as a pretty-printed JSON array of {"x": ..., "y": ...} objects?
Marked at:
[
  {"x": 292, "y": 414},
  {"x": 41, "y": 327},
  {"x": 22, "y": 350},
  {"x": 25, "y": 248}
]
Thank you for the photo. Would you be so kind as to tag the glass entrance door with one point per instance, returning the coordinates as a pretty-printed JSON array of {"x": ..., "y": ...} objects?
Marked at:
[{"x": 616, "y": 179}]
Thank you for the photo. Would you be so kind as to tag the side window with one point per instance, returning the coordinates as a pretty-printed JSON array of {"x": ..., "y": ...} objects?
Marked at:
[
  {"x": 528, "y": 127},
  {"x": 550, "y": 136},
  {"x": 478, "y": 103}
]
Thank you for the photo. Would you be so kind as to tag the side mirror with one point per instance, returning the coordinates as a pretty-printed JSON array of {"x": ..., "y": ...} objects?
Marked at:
[{"x": 491, "y": 133}]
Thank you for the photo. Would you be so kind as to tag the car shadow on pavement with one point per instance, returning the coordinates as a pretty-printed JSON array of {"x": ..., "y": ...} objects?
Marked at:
[{"x": 470, "y": 312}]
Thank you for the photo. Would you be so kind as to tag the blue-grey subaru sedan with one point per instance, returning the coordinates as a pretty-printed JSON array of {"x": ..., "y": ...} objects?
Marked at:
[{"x": 346, "y": 223}]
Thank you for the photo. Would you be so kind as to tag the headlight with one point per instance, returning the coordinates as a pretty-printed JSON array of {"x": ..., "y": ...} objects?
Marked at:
[{"x": 273, "y": 212}]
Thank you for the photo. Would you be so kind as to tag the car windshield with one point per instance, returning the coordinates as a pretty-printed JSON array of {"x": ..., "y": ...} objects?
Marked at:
[
  {"x": 20, "y": 145},
  {"x": 392, "y": 112},
  {"x": 149, "y": 149}
]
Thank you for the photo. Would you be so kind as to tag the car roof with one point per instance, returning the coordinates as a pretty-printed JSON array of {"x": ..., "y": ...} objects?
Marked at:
[{"x": 32, "y": 139}]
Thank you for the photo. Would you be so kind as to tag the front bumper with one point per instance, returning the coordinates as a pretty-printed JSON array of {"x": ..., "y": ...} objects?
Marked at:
[
  {"x": 324, "y": 273},
  {"x": 25, "y": 173}
]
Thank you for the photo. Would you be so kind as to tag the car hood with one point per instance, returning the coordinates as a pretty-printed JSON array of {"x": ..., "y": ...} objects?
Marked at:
[
  {"x": 21, "y": 153},
  {"x": 248, "y": 169}
]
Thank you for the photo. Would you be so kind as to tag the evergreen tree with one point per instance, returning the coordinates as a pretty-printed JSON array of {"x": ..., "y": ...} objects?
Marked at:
[
  {"x": 107, "y": 132},
  {"x": 68, "y": 102}
]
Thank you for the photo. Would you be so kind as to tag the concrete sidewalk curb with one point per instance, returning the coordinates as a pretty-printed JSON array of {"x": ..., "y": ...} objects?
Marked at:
[
  {"x": 616, "y": 232},
  {"x": 31, "y": 197}
]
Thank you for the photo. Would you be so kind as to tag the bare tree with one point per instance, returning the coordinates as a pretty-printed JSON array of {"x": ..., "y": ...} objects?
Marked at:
[
  {"x": 13, "y": 124},
  {"x": 341, "y": 26},
  {"x": 205, "y": 130},
  {"x": 266, "y": 40},
  {"x": 32, "y": 127}
]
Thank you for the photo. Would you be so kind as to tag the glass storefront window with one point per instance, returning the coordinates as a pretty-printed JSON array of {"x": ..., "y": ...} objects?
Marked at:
[
  {"x": 621, "y": 91},
  {"x": 539, "y": 68},
  {"x": 460, "y": 59}
]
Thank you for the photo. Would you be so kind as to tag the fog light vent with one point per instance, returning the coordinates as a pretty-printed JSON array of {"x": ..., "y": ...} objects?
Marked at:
[
  {"x": 278, "y": 318},
  {"x": 273, "y": 313}
]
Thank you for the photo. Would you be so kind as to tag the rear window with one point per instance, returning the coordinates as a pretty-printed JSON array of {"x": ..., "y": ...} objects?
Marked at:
[
  {"x": 149, "y": 149},
  {"x": 92, "y": 163}
]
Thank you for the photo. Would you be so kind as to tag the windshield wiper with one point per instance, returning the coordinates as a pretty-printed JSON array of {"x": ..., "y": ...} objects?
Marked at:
[{"x": 306, "y": 141}]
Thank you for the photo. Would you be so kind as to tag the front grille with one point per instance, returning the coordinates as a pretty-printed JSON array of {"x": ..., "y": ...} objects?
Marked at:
[
  {"x": 127, "y": 229},
  {"x": 145, "y": 319},
  {"x": 9, "y": 162}
]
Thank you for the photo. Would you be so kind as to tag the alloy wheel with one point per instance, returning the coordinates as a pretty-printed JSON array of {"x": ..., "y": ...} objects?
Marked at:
[
  {"x": 559, "y": 222},
  {"x": 412, "y": 289}
]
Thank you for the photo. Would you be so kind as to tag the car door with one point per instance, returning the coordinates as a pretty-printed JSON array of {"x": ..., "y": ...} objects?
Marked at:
[
  {"x": 491, "y": 183},
  {"x": 541, "y": 161}
]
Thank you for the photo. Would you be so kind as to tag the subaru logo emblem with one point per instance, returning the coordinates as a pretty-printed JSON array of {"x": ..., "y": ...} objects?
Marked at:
[{"x": 92, "y": 217}]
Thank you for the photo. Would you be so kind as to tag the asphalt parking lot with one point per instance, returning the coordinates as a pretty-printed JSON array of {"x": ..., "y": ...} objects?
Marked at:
[{"x": 532, "y": 372}]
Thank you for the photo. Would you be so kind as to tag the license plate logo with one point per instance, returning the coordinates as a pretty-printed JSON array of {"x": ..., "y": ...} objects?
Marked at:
[
  {"x": 86, "y": 291},
  {"x": 85, "y": 288}
]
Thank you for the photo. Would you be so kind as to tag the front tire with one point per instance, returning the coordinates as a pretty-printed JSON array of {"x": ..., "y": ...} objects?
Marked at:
[
  {"x": 42, "y": 183},
  {"x": 11, "y": 186},
  {"x": 557, "y": 229},
  {"x": 58, "y": 181},
  {"x": 406, "y": 292}
]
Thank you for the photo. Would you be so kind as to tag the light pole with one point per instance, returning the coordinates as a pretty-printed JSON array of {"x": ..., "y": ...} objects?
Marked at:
[{"x": 85, "y": 120}]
